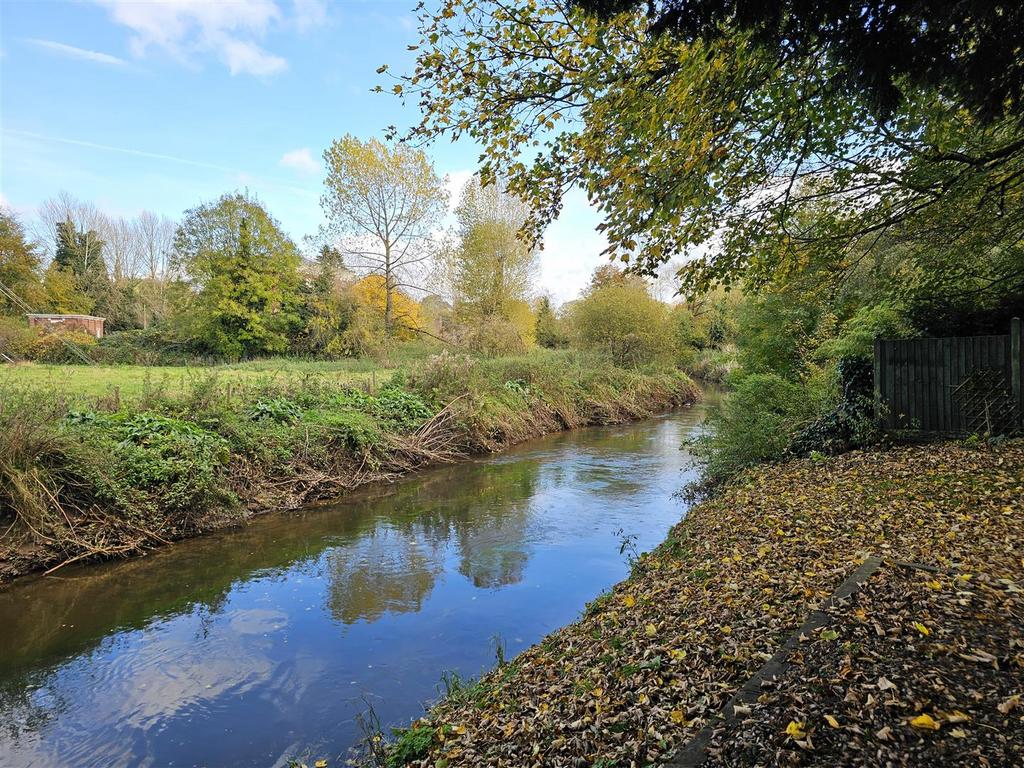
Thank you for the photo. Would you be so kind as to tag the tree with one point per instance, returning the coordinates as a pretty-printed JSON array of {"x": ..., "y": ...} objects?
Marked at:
[
  {"x": 371, "y": 295},
  {"x": 717, "y": 148},
  {"x": 244, "y": 270},
  {"x": 384, "y": 202},
  {"x": 327, "y": 309},
  {"x": 623, "y": 321},
  {"x": 21, "y": 288},
  {"x": 154, "y": 236},
  {"x": 491, "y": 269},
  {"x": 63, "y": 294},
  {"x": 968, "y": 51},
  {"x": 548, "y": 330}
]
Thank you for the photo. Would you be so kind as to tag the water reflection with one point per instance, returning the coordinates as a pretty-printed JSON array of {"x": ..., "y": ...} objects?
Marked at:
[{"x": 247, "y": 647}]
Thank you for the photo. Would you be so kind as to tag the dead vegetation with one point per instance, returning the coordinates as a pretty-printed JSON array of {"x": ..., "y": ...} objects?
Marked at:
[
  {"x": 654, "y": 661},
  {"x": 82, "y": 479}
]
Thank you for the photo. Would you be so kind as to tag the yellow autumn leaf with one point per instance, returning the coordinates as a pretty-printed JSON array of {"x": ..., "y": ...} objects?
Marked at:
[
  {"x": 795, "y": 730},
  {"x": 831, "y": 721},
  {"x": 597, "y": 692},
  {"x": 678, "y": 717},
  {"x": 651, "y": 630},
  {"x": 925, "y": 722},
  {"x": 629, "y": 601},
  {"x": 320, "y": 764},
  {"x": 922, "y": 628},
  {"x": 677, "y": 654}
]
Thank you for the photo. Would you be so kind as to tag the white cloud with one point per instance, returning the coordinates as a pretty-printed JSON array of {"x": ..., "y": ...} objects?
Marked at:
[
  {"x": 572, "y": 249},
  {"x": 79, "y": 53},
  {"x": 244, "y": 57},
  {"x": 309, "y": 13},
  {"x": 301, "y": 160},
  {"x": 190, "y": 29}
]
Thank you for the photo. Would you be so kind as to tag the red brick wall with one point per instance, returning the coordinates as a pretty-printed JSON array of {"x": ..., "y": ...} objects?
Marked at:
[{"x": 92, "y": 325}]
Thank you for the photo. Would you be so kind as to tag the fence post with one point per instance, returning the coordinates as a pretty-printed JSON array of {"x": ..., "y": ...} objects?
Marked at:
[{"x": 1015, "y": 366}]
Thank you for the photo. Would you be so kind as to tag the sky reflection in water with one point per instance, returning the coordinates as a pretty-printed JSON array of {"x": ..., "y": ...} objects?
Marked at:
[{"x": 257, "y": 645}]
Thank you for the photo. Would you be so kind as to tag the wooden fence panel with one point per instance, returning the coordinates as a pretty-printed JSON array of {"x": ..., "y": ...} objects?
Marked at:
[{"x": 950, "y": 385}]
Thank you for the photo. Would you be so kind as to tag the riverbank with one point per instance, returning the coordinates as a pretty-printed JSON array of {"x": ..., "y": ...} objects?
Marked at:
[
  {"x": 86, "y": 477},
  {"x": 918, "y": 663}
]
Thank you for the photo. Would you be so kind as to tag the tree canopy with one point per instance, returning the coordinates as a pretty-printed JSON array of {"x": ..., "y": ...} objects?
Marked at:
[
  {"x": 383, "y": 202},
  {"x": 244, "y": 270},
  {"x": 968, "y": 50},
  {"x": 713, "y": 149}
]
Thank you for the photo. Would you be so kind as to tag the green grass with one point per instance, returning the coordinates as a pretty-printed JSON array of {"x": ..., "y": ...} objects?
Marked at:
[{"x": 133, "y": 380}]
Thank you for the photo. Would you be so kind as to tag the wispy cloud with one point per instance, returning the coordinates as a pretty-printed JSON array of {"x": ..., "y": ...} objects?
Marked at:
[
  {"x": 238, "y": 174},
  {"x": 300, "y": 160},
  {"x": 188, "y": 30},
  {"x": 83, "y": 54}
]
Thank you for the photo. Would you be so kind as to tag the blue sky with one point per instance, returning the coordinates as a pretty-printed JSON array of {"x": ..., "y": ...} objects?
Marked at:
[{"x": 143, "y": 104}]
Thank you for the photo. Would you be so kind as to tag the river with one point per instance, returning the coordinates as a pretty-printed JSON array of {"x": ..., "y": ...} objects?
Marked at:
[{"x": 255, "y": 646}]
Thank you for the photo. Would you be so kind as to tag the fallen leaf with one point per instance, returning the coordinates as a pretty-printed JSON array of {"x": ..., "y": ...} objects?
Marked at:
[
  {"x": 795, "y": 730},
  {"x": 925, "y": 722},
  {"x": 832, "y": 721},
  {"x": 884, "y": 684}
]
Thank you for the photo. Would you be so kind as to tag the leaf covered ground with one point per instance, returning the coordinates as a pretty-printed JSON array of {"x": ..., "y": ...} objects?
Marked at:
[{"x": 655, "y": 660}]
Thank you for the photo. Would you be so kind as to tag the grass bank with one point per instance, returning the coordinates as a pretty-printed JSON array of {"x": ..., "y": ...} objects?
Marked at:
[
  {"x": 920, "y": 667},
  {"x": 92, "y": 476}
]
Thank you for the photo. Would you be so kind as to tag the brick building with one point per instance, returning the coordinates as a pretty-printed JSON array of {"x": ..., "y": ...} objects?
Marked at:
[{"x": 88, "y": 323}]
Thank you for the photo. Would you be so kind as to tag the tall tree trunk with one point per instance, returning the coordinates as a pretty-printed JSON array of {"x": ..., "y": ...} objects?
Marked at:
[{"x": 388, "y": 288}]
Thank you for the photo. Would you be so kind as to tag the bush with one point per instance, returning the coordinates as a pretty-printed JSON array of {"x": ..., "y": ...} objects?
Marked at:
[
  {"x": 857, "y": 338},
  {"x": 16, "y": 338},
  {"x": 624, "y": 322},
  {"x": 493, "y": 336},
  {"x": 147, "y": 461},
  {"x": 756, "y": 423},
  {"x": 63, "y": 347},
  {"x": 151, "y": 346},
  {"x": 851, "y": 423},
  {"x": 774, "y": 332}
]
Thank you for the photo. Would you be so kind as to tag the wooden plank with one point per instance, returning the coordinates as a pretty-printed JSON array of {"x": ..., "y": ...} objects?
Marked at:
[
  {"x": 877, "y": 381},
  {"x": 1016, "y": 370},
  {"x": 947, "y": 400},
  {"x": 890, "y": 384}
]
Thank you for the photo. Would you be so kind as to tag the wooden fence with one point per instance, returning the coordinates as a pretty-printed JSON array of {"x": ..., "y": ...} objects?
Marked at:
[{"x": 957, "y": 386}]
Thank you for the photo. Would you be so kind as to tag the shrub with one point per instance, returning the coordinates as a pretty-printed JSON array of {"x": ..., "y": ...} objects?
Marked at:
[
  {"x": 16, "y": 338},
  {"x": 856, "y": 340},
  {"x": 142, "y": 460},
  {"x": 851, "y": 423},
  {"x": 493, "y": 336},
  {"x": 623, "y": 321},
  {"x": 399, "y": 409},
  {"x": 62, "y": 347},
  {"x": 756, "y": 423},
  {"x": 773, "y": 334}
]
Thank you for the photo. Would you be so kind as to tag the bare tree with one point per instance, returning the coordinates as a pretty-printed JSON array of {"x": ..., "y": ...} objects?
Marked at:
[
  {"x": 155, "y": 235},
  {"x": 384, "y": 203},
  {"x": 83, "y": 215}
]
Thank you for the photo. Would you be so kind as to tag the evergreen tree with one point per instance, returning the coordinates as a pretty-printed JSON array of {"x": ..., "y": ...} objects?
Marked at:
[{"x": 245, "y": 272}]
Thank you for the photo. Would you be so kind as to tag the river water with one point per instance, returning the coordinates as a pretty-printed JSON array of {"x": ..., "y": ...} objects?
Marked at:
[{"x": 258, "y": 645}]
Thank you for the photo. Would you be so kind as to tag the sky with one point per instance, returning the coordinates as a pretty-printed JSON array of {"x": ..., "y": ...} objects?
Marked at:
[{"x": 164, "y": 104}]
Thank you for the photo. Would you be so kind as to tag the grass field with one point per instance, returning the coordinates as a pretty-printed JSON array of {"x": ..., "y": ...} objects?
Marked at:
[{"x": 132, "y": 380}]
